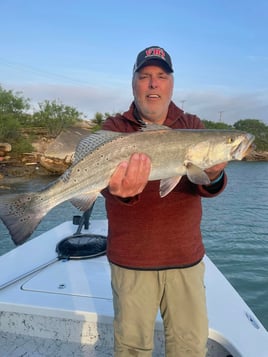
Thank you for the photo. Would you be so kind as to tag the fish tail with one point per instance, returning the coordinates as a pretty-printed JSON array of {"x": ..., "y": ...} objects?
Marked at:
[{"x": 21, "y": 214}]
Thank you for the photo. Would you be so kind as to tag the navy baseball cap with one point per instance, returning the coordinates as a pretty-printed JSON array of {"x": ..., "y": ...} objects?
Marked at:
[{"x": 153, "y": 55}]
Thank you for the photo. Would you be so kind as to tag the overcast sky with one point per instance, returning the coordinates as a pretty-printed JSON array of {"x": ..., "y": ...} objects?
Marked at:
[{"x": 82, "y": 52}]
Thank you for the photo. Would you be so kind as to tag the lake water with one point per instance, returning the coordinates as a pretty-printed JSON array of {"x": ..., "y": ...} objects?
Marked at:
[{"x": 235, "y": 229}]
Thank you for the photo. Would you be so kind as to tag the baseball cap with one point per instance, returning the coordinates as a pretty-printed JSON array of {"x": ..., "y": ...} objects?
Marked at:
[{"x": 153, "y": 55}]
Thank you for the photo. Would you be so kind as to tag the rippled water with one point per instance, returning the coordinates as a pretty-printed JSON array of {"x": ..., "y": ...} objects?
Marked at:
[{"x": 235, "y": 229}]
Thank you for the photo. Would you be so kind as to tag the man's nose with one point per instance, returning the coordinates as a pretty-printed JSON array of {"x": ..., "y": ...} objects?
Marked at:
[{"x": 153, "y": 83}]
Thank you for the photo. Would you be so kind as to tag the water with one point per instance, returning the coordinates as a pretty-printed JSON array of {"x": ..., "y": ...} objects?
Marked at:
[{"x": 235, "y": 229}]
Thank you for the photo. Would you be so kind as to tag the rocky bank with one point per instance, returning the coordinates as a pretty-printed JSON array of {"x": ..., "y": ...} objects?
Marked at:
[{"x": 52, "y": 156}]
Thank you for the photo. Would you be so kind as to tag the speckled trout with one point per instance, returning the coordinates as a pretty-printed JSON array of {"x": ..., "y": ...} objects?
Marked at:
[{"x": 173, "y": 153}]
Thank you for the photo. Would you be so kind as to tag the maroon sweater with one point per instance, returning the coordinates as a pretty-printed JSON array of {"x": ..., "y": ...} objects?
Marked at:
[{"x": 150, "y": 232}]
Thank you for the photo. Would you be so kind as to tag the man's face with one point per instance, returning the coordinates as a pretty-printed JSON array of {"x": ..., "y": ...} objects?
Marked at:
[{"x": 152, "y": 89}]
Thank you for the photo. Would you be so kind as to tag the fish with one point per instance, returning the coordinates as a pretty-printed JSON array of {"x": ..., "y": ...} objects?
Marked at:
[{"x": 173, "y": 153}]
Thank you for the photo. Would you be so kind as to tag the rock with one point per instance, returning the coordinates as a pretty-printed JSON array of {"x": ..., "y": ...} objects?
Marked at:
[
  {"x": 257, "y": 156},
  {"x": 54, "y": 165},
  {"x": 5, "y": 147},
  {"x": 65, "y": 144},
  {"x": 51, "y": 156},
  {"x": 59, "y": 153},
  {"x": 5, "y": 187}
]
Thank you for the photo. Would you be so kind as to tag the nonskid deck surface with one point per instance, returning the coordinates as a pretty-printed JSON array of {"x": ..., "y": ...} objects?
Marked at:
[{"x": 79, "y": 339}]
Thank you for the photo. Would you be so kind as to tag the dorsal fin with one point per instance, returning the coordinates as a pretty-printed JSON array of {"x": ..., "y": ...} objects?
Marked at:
[{"x": 93, "y": 141}]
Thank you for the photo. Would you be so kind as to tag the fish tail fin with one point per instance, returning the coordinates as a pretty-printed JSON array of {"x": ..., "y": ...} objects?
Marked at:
[{"x": 21, "y": 215}]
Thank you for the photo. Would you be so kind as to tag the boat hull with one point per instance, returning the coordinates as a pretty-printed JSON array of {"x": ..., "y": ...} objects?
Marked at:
[{"x": 64, "y": 307}]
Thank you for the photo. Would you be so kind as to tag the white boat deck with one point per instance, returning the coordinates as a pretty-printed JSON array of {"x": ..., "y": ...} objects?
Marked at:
[{"x": 64, "y": 308}]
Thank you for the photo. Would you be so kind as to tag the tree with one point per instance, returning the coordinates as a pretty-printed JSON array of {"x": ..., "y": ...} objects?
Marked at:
[
  {"x": 9, "y": 127},
  {"x": 55, "y": 116},
  {"x": 98, "y": 120},
  {"x": 12, "y": 103},
  {"x": 216, "y": 125},
  {"x": 257, "y": 128},
  {"x": 12, "y": 110}
]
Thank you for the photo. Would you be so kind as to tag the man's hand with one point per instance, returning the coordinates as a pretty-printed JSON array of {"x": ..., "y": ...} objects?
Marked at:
[
  {"x": 130, "y": 177},
  {"x": 214, "y": 171}
]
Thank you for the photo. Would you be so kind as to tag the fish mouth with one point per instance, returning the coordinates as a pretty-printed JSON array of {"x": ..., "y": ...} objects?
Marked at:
[{"x": 245, "y": 147}]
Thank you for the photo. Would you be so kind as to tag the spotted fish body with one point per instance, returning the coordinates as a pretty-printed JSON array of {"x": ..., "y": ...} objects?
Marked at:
[{"x": 173, "y": 153}]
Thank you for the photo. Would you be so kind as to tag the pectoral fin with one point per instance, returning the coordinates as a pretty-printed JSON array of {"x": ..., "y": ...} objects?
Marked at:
[
  {"x": 167, "y": 185},
  {"x": 196, "y": 175}
]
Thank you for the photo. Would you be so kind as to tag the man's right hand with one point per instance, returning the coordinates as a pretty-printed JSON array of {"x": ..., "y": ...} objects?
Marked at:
[{"x": 130, "y": 177}]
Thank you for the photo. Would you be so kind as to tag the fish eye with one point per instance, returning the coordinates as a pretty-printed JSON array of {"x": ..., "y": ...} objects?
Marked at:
[{"x": 230, "y": 140}]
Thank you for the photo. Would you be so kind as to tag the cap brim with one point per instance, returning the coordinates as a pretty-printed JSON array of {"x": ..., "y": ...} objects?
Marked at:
[{"x": 154, "y": 62}]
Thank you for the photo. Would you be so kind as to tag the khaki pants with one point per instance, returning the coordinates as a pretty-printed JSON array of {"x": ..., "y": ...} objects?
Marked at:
[{"x": 180, "y": 295}]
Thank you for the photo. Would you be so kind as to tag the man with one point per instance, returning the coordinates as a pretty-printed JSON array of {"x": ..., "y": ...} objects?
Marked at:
[{"x": 154, "y": 244}]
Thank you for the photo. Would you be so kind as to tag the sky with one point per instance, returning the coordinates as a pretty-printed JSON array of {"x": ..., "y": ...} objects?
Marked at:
[{"x": 81, "y": 53}]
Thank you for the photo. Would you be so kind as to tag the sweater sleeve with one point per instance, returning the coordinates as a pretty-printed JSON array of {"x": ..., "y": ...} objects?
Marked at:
[
  {"x": 123, "y": 201},
  {"x": 212, "y": 190}
]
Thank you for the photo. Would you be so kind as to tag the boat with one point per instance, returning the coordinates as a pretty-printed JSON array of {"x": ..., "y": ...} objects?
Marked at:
[{"x": 56, "y": 300}]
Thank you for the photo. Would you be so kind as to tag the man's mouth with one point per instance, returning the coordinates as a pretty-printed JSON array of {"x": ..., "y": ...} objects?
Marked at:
[{"x": 153, "y": 96}]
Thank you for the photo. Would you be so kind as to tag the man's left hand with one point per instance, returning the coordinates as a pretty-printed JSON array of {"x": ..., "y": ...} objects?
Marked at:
[{"x": 215, "y": 171}]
